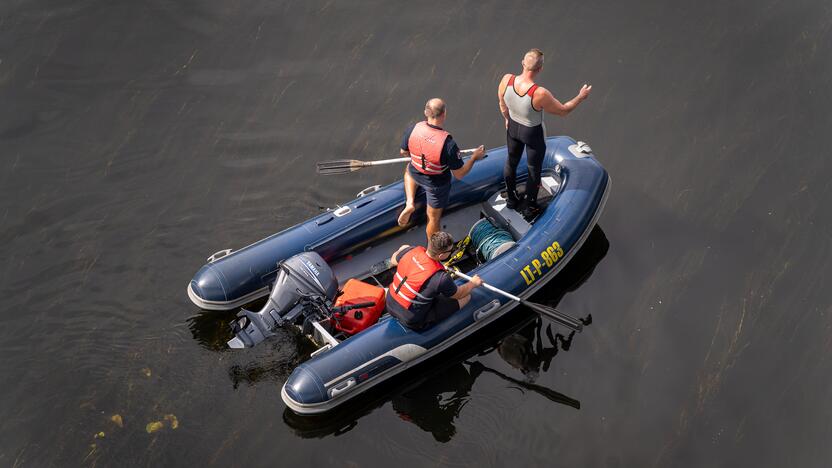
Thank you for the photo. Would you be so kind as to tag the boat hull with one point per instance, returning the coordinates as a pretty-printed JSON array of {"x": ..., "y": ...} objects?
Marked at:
[{"x": 386, "y": 349}]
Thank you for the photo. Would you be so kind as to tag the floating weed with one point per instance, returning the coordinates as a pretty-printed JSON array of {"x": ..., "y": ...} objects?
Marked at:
[
  {"x": 154, "y": 426},
  {"x": 146, "y": 371},
  {"x": 117, "y": 419},
  {"x": 171, "y": 418},
  {"x": 100, "y": 435}
]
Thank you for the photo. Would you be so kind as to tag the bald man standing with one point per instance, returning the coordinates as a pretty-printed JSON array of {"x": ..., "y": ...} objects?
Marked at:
[
  {"x": 522, "y": 103},
  {"x": 434, "y": 156}
]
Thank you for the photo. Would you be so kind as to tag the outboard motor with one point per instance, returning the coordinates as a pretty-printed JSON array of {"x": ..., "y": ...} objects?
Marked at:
[{"x": 304, "y": 285}]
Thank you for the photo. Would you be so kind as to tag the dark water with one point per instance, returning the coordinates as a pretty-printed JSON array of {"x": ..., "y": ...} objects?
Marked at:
[{"x": 139, "y": 137}]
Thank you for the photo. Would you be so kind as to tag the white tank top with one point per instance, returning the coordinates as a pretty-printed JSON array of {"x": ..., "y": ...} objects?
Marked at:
[{"x": 520, "y": 108}]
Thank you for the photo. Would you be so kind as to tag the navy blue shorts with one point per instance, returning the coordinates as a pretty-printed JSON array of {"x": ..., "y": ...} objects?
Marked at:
[
  {"x": 437, "y": 188},
  {"x": 442, "y": 308}
]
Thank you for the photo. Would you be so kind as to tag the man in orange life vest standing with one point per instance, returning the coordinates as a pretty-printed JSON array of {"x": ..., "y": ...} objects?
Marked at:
[
  {"x": 422, "y": 292},
  {"x": 434, "y": 156},
  {"x": 522, "y": 103}
]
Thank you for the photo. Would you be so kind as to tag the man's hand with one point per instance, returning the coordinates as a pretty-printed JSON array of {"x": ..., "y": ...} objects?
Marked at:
[
  {"x": 476, "y": 281},
  {"x": 584, "y": 92},
  {"x": 478, "y": 153},
  {"x": 506, "y": 124}
]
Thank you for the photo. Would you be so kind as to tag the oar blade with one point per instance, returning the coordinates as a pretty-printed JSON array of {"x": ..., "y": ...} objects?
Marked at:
[
  {"x": 557, "y": 316},
  {"x": 340, "y": 166}
]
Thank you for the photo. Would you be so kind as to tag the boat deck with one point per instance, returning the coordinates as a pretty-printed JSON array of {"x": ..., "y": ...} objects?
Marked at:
[{"x": 457, "y": 223}]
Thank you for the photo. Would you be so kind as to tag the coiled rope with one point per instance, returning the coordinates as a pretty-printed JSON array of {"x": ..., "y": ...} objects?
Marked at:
[{"x": 488, "y": 240}]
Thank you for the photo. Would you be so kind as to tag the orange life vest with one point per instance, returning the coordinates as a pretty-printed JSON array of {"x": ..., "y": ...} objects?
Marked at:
[
  {"x": 414, "y": 270},
  {"x": 425, "y": 145}
]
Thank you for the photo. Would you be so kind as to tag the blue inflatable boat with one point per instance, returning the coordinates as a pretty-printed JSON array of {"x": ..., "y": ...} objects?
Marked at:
[{"x": 302, "y": 269}]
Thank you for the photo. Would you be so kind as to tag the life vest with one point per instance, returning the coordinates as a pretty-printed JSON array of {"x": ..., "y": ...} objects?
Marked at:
[
  {"x": 425, "y": 145},
  {"x": 414, "y": 270}
]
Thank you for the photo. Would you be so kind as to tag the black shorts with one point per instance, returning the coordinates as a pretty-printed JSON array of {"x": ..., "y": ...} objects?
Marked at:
[
  {"x": 442, "y": 308},
  {"x": 437, "y": 188}
]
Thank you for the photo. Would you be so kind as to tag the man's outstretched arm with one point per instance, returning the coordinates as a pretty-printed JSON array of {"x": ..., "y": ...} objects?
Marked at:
[
  {"x": 550, "y": 104},
  {"x": 466, "y": 168}
]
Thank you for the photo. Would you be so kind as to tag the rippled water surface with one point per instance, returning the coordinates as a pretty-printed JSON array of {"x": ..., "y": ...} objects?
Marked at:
[{"x": 139, "y": 137}]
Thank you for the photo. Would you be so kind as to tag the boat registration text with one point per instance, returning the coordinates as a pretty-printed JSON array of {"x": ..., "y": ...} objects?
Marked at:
[{"x": 538, "y": 266}]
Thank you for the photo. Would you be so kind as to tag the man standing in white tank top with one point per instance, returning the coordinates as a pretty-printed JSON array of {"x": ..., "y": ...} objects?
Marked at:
[{"x": 522, "y": 103}]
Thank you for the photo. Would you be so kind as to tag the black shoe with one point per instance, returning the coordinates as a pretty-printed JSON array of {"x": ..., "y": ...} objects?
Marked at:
[
  {"x": 530, "y": 212},
  {"x": 513, "y": 202}
]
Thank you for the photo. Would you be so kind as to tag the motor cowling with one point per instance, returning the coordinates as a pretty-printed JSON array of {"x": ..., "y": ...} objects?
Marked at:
[{"x": 302, "y": 280}]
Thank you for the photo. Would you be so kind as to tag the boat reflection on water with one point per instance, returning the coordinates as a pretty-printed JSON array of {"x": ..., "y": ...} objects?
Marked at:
[
  {"x": 527, "y": 352},
  {"x": 426, "y": 406},
  {"x": 433, "y": 404},
  {"x": 274, "y": 362},
  {"x": 432, "y": 397}
]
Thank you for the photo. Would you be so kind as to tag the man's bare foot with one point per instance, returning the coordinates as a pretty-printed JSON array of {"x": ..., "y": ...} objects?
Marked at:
[{"x": 404, "y": 217}]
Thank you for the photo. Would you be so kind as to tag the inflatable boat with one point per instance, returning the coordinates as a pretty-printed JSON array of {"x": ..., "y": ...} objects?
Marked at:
[
  {"x": 424, "y": 389},
  {"x": 326, "y": 276}
]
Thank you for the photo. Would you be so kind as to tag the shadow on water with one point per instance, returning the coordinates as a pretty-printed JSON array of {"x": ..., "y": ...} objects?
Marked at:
[
  {"x": 276, "y": 368},
  {"x": 210, "y": 329},
  {"x": 273, "y": 361},
  {"x": 433, "y": 400}
]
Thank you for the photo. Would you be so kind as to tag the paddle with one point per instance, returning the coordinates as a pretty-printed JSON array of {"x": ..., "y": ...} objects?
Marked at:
[
  {"x": 550, "y": 312},
  {"x": 345, "y": 166},
  {"x": 552, "y": 395}
]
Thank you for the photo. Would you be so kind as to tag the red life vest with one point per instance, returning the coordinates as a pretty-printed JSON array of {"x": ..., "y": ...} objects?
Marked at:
[
  {"x": 425, "y": 145},
  {"x": 415, "y": 268}
]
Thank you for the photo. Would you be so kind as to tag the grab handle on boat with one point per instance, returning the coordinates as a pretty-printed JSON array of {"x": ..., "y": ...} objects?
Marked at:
[
  {"x": 341, "y": 387},
  {"x": 580, "y": 149},
  {"x": 368, "y": 191},
  {"x": 486, "y": 310},
  {"x": 218, "y": 255},
  {"x": 344, "y": 210}
]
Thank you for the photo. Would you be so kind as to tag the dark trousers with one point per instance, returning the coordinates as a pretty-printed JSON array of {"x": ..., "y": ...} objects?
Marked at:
[{"x": 519, "y": 137}]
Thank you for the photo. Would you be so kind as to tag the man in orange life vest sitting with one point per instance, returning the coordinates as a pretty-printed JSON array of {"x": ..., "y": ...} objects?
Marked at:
[
  {"x": 434, "y": 156},
  {"x": 422, "y": 292}
]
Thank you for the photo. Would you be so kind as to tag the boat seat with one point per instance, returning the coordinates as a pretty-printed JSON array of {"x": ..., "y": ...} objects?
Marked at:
[{"x": 496, "y": 209}]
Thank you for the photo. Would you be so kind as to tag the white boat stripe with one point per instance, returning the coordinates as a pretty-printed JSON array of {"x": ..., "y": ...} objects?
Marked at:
[{"x": 404, "y": 353}]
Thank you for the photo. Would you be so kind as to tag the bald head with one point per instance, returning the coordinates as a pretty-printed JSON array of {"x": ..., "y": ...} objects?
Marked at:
[
  {"x": 434, "y": 108},
  {"x": 533, "y": 60}
]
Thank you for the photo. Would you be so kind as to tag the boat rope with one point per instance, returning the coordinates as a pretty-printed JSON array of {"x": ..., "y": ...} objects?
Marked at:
[
  {"x": 488, "y": 240},
  {"x": 459, "y": 252}
]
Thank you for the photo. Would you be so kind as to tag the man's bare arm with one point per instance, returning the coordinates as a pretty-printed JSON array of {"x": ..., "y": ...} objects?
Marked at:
[
  {"x": 466, "y": 168},
  {"x": 551, "y": 105},
  {"x": 393, "y": 260},
  {"x": 465, "y": 289},
  {"x": 501, "y": 91}
]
